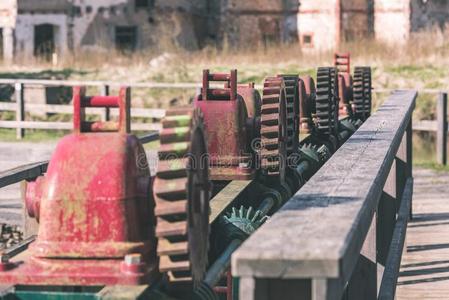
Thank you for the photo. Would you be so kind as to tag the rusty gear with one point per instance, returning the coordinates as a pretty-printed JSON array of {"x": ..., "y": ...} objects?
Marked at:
[
  {"x": 273, "y": 131},
  {"x": 292, "y": 96},
  {"x": 362, "y": 92},
  {"x": 367, "y": 85},
  {"x": 325, "y": 101},
  {"x": 182, "y": 192},
  {"x": 335, "y": 100},
  {"x": 307, "y": 98}
]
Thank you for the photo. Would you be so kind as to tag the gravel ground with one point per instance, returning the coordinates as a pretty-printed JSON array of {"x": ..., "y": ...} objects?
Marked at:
[{"x": 10, "y": 235}]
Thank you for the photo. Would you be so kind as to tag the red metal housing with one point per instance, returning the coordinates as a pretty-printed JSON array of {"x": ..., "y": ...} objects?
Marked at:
[
  {"x": 343, "y": 64},
  {"x": 226, "y": 119},
  {"x": 95, "y": 208}
]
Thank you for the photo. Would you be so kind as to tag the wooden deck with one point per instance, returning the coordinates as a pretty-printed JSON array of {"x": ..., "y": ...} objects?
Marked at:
[{"x": 425, "y": 262}]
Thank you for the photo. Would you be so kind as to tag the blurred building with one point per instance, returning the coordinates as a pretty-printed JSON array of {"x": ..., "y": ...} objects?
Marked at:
[
  {"x": 43, "y": 27},
  {"x": 324, "y": 24}
]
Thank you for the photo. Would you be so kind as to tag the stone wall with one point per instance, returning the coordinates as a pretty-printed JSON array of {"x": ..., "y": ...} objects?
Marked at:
[
  {"x": 25, "y": 31},
  {"x": 357, "y": 19},
  {"x": 318, "y": 23},
  {"x": 162, "y": 23},
  {"x": 392, "y": 21},
  {"x": 259, "y": 22},
  {"x": 428, "y": 14}
]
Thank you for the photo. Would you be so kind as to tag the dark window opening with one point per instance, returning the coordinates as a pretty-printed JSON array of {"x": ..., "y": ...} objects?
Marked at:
[
  {"x": 144, "y": 4},
  {"x": 126, "y": 38},
  {"x": 44, "y": 41},
  {"x": 76, "y": 11},
  {"x": 1, "y": 43},
  {"x": 88, "y": 9},
  {"x": 112, "y": 10},
  {"x": 307, "y": 40}
]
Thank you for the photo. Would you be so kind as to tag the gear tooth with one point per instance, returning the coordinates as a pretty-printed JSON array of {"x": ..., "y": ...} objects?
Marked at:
[
  {"x": 234, "y": 213},
  {"x": 170, "y": 191},
  {"x": 274, "y": 121},
  {"x": 255, "y": 216},
  {"x": 249, "y": 212}
]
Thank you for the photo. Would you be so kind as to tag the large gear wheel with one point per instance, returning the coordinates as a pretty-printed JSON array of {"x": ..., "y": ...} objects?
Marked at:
[
  {"x": 182, "y": 192},
  {"x": 273, "y": 131},
  {"x": 362, "y": 92},
  {"x": 292, "y": 95},
  {"x": 326, "y": 102}
]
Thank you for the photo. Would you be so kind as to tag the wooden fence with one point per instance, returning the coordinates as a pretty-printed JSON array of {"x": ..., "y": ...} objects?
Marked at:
[
  {"x": 341, "y": 235},
  {"x": 21, "y": 106}
]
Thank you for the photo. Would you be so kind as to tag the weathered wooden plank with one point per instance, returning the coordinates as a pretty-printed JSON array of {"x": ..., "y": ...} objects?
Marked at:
[
  {"x": 388, "y": 286},
  {"x": 67, "y": 125},
  {"x": 68, "y": 109},
  {"x": 321, "y": 230},
  {"x": 442, "y": 129},
  {"x": 224, "y": 198},
  {"x": 25, "y": 172}
]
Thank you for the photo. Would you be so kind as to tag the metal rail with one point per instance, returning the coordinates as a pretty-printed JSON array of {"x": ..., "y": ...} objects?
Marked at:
[
  {"x": 33, "y": 170},
  {"x": 329, "y": 239}
]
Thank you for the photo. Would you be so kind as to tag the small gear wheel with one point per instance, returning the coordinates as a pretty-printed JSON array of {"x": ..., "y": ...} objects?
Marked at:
[
  {"x": 362, "y": 92},
  {"x": 247, "y": 220},
  {"x": 367, "y": 86},
  {"x": 307, "y": 98},
  {"x": 273, "y": 131},
  {"x": 182, "y": 192},
  {"x": 292, "y": 96},
  {"x": 335, "y": 100},
  {"x": 325, "y": 103}
]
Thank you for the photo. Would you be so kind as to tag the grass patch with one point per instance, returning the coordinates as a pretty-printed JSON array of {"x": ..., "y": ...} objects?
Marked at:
[
  {"x": 31, "y": 135},
  {"x": 432, "y": 165},
  {"x": 422, "y": 73}
]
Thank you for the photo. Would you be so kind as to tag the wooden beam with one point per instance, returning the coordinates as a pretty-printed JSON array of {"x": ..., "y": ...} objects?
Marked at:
[
  {"x": 391, "y": 273},
  {"x": 25, "y": 172},
  {"x": 442, "y": 129}
]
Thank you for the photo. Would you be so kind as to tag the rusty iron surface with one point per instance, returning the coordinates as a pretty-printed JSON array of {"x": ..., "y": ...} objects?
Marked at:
[
  {"x": 226, "y": 122},
  {"x": 95, "y": 209},
  {"x": 182, "y": 191}
]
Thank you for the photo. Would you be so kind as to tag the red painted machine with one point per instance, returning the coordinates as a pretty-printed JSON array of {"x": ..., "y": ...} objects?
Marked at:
[
  {"x": 343, "y": 64},
  {"x": 246, "y": 132},
  {"x": 94, "y": 205},
  {"x": 354, "y": 91}
]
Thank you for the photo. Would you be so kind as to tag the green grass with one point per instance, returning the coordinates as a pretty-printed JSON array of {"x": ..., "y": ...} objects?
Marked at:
[
  {"x": 31, "y": 135},
  {"x": 422, "y": 73},
  {"x": 432, "y": 165}
]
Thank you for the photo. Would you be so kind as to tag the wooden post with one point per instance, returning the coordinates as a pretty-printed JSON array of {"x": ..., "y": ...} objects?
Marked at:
[
  {"x": 107, "y": 113},
  {"x": 20, "y": 110},
  {"x": 442, "y": 129}
]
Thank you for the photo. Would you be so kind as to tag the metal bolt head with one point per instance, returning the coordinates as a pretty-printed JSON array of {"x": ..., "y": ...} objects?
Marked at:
[{"x": 133, "y": 259}]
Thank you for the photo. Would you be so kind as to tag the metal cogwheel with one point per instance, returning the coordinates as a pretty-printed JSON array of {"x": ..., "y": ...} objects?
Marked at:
[
  {"x": 335, "y": 100},
  {"x": 325, "y": 103},
  {"x": 367, "y": 85},
  {"x": 182, "y": 191},
  {"x": 273, "y": 131},
  {"x": 362, "y": 92},
  {"x": 292, "y": 96}
]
